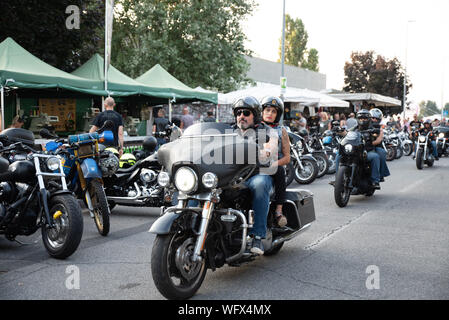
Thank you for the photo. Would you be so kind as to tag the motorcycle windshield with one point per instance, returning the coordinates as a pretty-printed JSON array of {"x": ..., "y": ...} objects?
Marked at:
[
  {"x": 209, "y": 147},
  {"x": 352, "y": 137}
]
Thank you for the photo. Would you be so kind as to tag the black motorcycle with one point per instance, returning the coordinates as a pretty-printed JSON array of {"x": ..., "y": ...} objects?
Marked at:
[
  {"x": 354, "y": 171},
  {"x": 209, "y": 227},
  {"x": 442, "y": 140},
  {"x": 318, "y": 152},
  {"x": 34, "y": 194},
  {"x": 424, "y": 151},
  {"x": 304, "y": 167}
]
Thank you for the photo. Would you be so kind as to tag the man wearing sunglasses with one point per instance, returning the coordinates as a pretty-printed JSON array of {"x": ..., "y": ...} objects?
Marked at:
[{"x": 247, "y": 116}]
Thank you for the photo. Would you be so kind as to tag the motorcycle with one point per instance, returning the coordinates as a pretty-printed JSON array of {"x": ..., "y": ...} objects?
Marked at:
[
  {"x": 82, "y": 166},
  {"x": 137, "y": 185},
  {"x": 423, "y": 153},
  {"x": 442, "y": 140},
  {"x": 390, "y": 146},
  {"x": 304, "y": 165},
  {"x": 318, "y": 152},
  {"x": 331, "y": 140},
  {"x": 34, "y": 195},
  {"x": 209, "y": 227},
  {"x": 407, "y": 144},
  {"x": 354, "y": 172}
]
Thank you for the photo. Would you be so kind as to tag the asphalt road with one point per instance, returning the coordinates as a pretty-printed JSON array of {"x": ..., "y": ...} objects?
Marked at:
[{"x": 394, "y": 245}]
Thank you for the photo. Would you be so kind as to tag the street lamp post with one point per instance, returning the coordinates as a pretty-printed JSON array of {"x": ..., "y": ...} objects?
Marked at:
[
  {"x": 282, "y": 80},
  {"x": 405, "y": 72}
]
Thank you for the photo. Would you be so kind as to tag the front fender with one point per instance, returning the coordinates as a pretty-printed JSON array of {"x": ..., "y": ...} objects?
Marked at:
[
  {"x": 164, "y": 223},
  {"x": 307, "y": 156}
]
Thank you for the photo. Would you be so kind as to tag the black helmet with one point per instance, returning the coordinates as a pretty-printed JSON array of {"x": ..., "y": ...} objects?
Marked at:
[
  {"x": 364, "y": 119},
  {"x": 303, "y": 133},
  {"x": 376, "y": 114},
  {"x": 276, "y": 103},
  {"x": 149, "y": 144},
  {"x": 249, "y": 103}
]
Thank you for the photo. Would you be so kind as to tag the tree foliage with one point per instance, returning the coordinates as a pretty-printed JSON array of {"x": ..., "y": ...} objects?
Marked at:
[
  {"x": 296, "y": 52},
  {"x": 428, "y": 108},
  {"x": 369, "y": 73},
  {"x": 40, "y": 27},
  {"x": 200, "y": 42}
]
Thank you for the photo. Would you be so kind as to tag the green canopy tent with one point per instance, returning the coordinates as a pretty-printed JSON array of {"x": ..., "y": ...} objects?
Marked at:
[
  {"x": 158, "y": 77},
  {"x": 20, "y": 69}
]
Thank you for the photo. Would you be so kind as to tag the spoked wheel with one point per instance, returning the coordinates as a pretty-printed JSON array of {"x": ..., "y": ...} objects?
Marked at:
[
  {"x": 342, "y": 192},
  {"x": 308, "y": 174},
  {"x": 174, "y": 273},
  {"x": 391, "y": 153},
  {"x": 399, "y": 152},
  {"x": 101, "y": 207},
  {"x": 323, "y": 164},
  {"x": 407, "y": 149},
  {"x": 63, "y": 240}
]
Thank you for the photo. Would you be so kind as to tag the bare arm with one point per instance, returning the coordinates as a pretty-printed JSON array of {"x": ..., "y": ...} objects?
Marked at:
[
  {"x": 379, "y": 138},
  {"x": 93, "y": 129},
  {"x": 285, "y": 149},
  {"x": 120, "y": 140}
]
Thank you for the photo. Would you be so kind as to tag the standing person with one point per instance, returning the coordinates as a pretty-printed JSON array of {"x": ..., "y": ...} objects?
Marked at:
[
  {"x": 351, "y": 122},
  {"x": 210, "y": 117},
  {"x": 186, "y": 119},
  {"x": 117, "y": 120},
  {"x": 324, "y": 122},
  {"x": 342, "y": 120},
  {"x": 160, "y": 123},
  {"x": 272, "y": 109},
  {"x": 17, "y": 122},
  {"x": 302, "y": 124}
]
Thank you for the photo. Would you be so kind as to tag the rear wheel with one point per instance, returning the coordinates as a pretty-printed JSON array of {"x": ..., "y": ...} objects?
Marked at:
[
  {"x": 341, "y": 191},
  {"x": 391, "y": 153}
]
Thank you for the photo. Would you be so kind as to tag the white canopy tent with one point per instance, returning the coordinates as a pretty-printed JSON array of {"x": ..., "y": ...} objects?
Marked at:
[
  {"x": 377, "y": 99},
  {"x": 302, "y": 96}
]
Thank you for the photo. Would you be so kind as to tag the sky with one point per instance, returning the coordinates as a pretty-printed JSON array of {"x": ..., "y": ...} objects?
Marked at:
[{"x": 338, "y": 27}]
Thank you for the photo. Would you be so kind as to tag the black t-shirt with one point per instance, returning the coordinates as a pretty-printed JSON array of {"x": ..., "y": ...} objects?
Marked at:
[
  {"x": 161, "y": 123},
  {"x": 415, "y": 124},
  {"x": 112, "y": 115}
]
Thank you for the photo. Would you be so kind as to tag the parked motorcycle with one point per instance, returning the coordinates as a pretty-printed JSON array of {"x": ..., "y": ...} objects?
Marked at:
[
  {"x": 318, "y": 152},
  {"x": 407, "y": 144},
  {"x": 210, "y": 225},
  {"x": 354, "y": 172},
  {"x": 34, "y": 194},
  {"x": 82, "y": 167},
  {"x": 305, "y": 167},
  {"x": 424, "y": 151}
]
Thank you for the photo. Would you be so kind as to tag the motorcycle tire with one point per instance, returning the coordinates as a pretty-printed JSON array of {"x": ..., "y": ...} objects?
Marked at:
[
  {"x": 165, "y": 259},
  {"x": 289, "y": 173},
  {"x": 408, "y": 148},
  {"x": 419, "y": 159},
  {"x": 101, "y": 207},
  {"x": 310, "y": 175},
  {"x": 63, "y": 240},
  {"x": 399, "y": 152},
  {"x": 323, "y": 164},
  {"x": 391, "y": 153},
  {"x": 341, "y": 192}
]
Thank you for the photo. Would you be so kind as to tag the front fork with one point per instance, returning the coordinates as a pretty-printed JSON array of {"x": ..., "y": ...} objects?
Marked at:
[
  {"x": 295, "y": 153},
  {"x": 206, "y": 215}
]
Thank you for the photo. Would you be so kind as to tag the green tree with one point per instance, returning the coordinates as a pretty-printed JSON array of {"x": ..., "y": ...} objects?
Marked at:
[
  {"x": 296, "y": 53},
  {"x": 446, "y": 106},
  {"x": 428, "y": 108},
  {"x": 369, "y": 73},
  {"x": 40, "y": 27},
  {"x": 200, "y": 42}
]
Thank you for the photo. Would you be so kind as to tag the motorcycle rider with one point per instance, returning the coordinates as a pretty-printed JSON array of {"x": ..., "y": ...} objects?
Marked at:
[
  {"x": 424, "y": 131},
  {"x": 364, "y": 123},
  {"x": 248, "y": 124},
  {"x": 417, "y": 124},
  {"x": 272, "y": 109},
  {"x": 376, "y": 118}
]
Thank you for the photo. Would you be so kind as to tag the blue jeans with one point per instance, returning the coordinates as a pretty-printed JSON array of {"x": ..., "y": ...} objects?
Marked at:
[
  {"x": 434, "y": 148},
  {"x": 374, "y": 160},
  {"x": 260, "y": 186},
  {"x": 383, "y": 169}
]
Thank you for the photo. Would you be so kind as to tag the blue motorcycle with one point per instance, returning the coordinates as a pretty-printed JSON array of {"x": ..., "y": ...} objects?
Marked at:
[{"x": 81, "y": 161}]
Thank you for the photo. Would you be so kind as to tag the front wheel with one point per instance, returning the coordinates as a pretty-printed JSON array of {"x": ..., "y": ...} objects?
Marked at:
[
  {"x": 174, "y": 273},
  {"x": 323, "y": 164},
  {"x": 341, "y": 191},
  {"x": 408, "y": 148},
  {"x": 101, "y": 207},
  {"x": 308, "y": 173},
  {"x": 419, "y": 159},
  {"x": 62, "y": 240}
]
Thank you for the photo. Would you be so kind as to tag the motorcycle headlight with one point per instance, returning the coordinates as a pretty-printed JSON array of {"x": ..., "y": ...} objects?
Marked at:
[
  {"x": 422, "y": 138},
  {"x": 210, "y": 180},
  {"x": 163, "y": 179},
  {"x": 348, "y": 148},
  {"x": 441, "y": 135},
  {"x": 186, "y": 180},
  {"x": 53, "y": 163}
]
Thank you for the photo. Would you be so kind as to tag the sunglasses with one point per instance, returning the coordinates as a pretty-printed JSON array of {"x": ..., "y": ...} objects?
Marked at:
[{"x": 246, "y": 113}]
